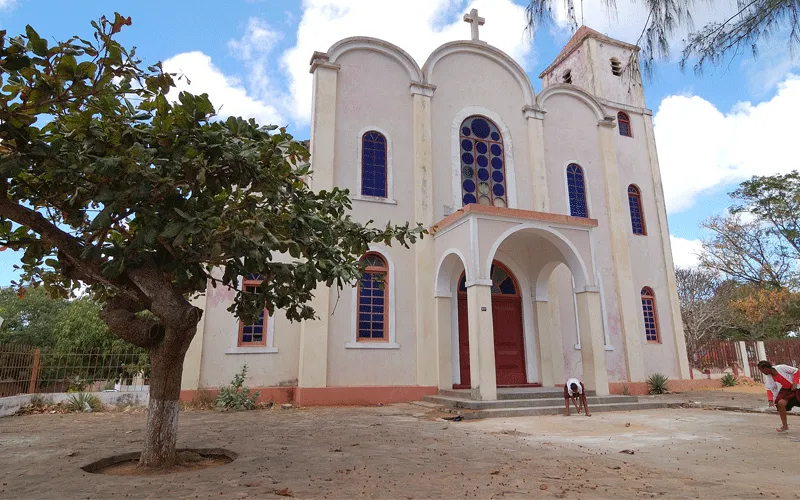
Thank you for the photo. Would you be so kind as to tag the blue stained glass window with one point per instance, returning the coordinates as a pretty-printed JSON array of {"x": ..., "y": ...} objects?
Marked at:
[
  {"x": 373, "y": 299},
  {"x": 576, "y": 186},
  {"x": 254, "y": 334},
  {"x": 482, "y": 145},
  {"x": 650, "y": 317},
  {"x": 637, "y": 214},
  {"x": 373, "y": 165},
  {"x": 624, "y": 124},
  {"x": 502, "y": 282}
]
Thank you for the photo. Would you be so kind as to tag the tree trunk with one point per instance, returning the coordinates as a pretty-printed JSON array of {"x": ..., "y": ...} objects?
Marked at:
[{"x": 166, "y": 369}]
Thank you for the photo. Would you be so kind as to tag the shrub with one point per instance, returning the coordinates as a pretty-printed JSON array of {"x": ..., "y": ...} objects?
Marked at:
[
  {"x": 657, "y": 383},
  {"x": 625, "y": 390},
  {"x": 236, "y": 397},
  {"x": 83, "y": 401},
  {"x": 728, "y": 380},
  {"x": 202, "y": 400},
  {"x": 39, "y": 402}
]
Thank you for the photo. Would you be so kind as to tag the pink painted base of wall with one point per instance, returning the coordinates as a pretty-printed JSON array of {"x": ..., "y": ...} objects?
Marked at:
[
  {"x": 331, "y": 396},
  {"x": 640, "y": 388}
]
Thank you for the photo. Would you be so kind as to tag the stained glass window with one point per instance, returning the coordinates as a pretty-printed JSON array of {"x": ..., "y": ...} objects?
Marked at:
[
  {"x": 650, "y": 316},
  {"x": 502, "y": 281},
  {"x": 624, "y": 123},
  {"x": 576, "y": 186},
  {"x": 483, "y": 173},
  {"x": 373, "y": 300},
  {"x": 637, "y": 214},
  {"x": 253, "y": 334},
  {"x": 373, "y": 165}
]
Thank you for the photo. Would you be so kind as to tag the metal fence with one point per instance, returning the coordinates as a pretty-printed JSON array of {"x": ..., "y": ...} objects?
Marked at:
[
  {"x": 715, "y": 358},
  {"x": 25, "y": 369}
]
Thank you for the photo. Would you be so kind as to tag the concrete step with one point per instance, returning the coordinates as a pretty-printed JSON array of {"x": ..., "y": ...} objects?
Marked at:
[
  {"x": 514, "y": 393},
  {"x": 456, "y": 402},
  {"x": 553, "y": 410}
]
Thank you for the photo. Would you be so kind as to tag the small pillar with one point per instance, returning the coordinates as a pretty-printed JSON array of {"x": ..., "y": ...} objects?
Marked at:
[
  {"x": 483, "y": 378},
  {"x": 593, "y": 354},
  {"x": 444, "y": 335}
]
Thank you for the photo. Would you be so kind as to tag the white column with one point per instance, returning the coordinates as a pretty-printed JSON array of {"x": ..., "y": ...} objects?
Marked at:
[
  {"x": 760, "y": 351},
  {"x": 425, "y": 258},
  {"x": 593, "y": 354},
  {"x": 620, "y": 228},
  {"x": 313, "y": 364},
  {"x": 483, "y": 378},
  {"x": 669, "y": 265},
  {"x": 743, "y": 359},
  {"x": 444, "y": 332},
  {"x": 539, "y": 193}
]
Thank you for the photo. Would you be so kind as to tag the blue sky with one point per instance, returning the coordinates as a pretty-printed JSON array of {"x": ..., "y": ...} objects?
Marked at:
[{"x": 251, "y": 56}]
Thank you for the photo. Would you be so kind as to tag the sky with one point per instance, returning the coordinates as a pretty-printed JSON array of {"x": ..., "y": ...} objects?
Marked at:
[{"x": 252, "y": 57}]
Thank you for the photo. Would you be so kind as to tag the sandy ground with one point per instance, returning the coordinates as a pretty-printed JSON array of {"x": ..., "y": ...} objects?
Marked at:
[{"x": 401, "y": 452}]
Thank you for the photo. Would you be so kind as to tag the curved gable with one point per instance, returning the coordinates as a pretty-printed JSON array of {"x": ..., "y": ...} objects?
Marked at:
[
  {"x": 580, "y": 95},
  {"x": 376, "y": 45}
]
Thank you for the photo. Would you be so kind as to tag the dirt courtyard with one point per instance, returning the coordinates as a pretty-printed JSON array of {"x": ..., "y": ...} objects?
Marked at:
[{"x": 402, "y": 452}]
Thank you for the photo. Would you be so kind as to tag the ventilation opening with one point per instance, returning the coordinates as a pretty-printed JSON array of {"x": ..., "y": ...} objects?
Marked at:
[
  {"x": 567, "y": 78},
  {"x": 616, "y": 67}
]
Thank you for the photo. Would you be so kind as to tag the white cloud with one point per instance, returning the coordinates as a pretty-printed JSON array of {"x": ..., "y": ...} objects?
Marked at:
[
  {"x": 417, "y": 26},
  {"x": 685, "y": 252},
  {"x": 7, "y": 4},
  {"x": 701, "y": 148},
  {"x": 228, "y": 95}
]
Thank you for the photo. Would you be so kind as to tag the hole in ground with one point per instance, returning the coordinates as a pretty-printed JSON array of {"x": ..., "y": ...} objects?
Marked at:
[{"x": 189, "y": 459}]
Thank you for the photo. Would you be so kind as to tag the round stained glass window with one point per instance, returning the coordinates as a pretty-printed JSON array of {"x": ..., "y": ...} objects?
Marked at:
[
  {"x": 484, "y": 200},
  {"x": 483, "y": 161},
  {"x": 466, "y": 145},
  {"x": 497, "y": 163},
  {"x": 483, "y": 188},
  {"x": 465, "y": 131},
  {"x": 481, "y": 148},
  {"x": 469, "y": 198},
  {"x": 480, "y": 128},
  {"x": 483, "y": 174},
  {"x": 467, "y": 172},
  {"x": 497, "y": 176},
  {"x": 496, "y": 150},
  {"x": 495, "y": 136},
  {"x": 499, "y": 202},
  {"x": 469, "y": 186},
  {"x": 467, "y": 158},
  {"x": 498, "y": 190}
]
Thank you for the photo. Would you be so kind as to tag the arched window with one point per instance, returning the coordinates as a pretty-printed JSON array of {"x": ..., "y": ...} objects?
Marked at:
[
  {"x": 624, "y": 123},
  {"x": 373, "y": 165},
  {"x": 253, "y": 335},
  {"x": 637, "y": 212},
  {"x": 503, "y": 282},
  {"x": 651, "y": 332},
  {"x": 373, "y": 300},
  {"x": 576, "y": 186},
  {"x": 483, "y": 173}
]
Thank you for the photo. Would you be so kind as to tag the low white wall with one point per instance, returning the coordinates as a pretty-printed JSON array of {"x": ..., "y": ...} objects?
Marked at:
[{"x": 11, "y": 405}]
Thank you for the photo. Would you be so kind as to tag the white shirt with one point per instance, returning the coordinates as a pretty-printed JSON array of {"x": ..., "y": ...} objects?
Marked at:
[
  {"x": 576, "y": 382},
  {"x": 790, "y": 373}
]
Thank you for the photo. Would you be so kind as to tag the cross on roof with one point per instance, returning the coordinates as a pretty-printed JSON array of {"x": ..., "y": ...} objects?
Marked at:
[{"x": 475, "y": 22}]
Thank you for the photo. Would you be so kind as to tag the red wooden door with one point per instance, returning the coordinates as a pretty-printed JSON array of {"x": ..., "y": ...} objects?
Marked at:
[{"x": 509, "y": 354}]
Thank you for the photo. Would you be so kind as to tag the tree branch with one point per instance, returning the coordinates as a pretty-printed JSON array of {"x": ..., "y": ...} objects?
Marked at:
[{"x": 119, "y": 314}]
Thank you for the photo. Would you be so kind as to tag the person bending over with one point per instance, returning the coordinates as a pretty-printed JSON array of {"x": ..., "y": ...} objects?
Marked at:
[
  {"x": 573, "y": 390},
  {"x": 782, "y": 382}
]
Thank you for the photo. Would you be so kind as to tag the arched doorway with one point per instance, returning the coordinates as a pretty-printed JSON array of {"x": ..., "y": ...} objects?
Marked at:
[{"x": 509, "y": 344}]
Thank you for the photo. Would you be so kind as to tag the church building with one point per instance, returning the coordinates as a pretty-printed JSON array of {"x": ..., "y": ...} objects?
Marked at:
[{"x": 548, "y": 256}]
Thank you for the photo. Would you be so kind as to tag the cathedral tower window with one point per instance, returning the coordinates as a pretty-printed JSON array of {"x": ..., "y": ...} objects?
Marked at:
[
  {"x": 483, "y": 173},
  {"x": 637, "y": 213},
  {"x": 616, "y": 67},
  {"x": 624, "y": 123},
  {"x": 567, "y": 77},
  {"x": 576, "y": 187},
  {"x": 651, "y": 331},
  {"x": 373, "y": 300},
  {"x": 374, "y": 180}
]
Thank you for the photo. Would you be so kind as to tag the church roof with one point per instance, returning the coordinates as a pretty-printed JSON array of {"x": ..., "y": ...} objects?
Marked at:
[{"x": 582, "y": 34}]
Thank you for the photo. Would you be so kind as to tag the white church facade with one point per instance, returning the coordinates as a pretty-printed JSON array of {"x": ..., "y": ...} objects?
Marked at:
[{"x": 549, "y": 254}]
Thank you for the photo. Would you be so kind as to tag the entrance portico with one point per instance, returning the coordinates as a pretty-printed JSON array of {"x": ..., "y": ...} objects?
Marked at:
[{"x": 477, "y": 240}]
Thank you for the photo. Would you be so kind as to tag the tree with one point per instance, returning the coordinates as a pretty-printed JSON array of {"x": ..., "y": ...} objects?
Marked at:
[
  {"x": 760, "y": 313},
  {"x": 106, "y": 182},
  {"x": 29, "y": 318},
  {"x": 702, "y": 311},
  {"x": 752, "y": 24}
]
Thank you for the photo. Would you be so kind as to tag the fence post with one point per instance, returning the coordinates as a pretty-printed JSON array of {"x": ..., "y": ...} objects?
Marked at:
[
  {"x": 34, "y": 372},
  {"x": 761, "y": 352},
  {"x": 745, "y": 362}
]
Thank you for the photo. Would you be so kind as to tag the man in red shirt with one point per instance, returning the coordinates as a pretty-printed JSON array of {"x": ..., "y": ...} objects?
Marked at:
[{"x": 782, "y": 382}]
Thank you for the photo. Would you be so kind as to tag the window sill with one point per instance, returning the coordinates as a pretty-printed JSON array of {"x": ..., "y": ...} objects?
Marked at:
[
  {"x": 251, "y": 350},
  {"x": 652, "y": 342},
  {"x": 373, "y": 199},
  {"x": 372, "y": 345}
]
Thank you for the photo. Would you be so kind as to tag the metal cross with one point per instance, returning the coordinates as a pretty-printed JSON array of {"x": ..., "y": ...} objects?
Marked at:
[{"x": 475, "y": 21}]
